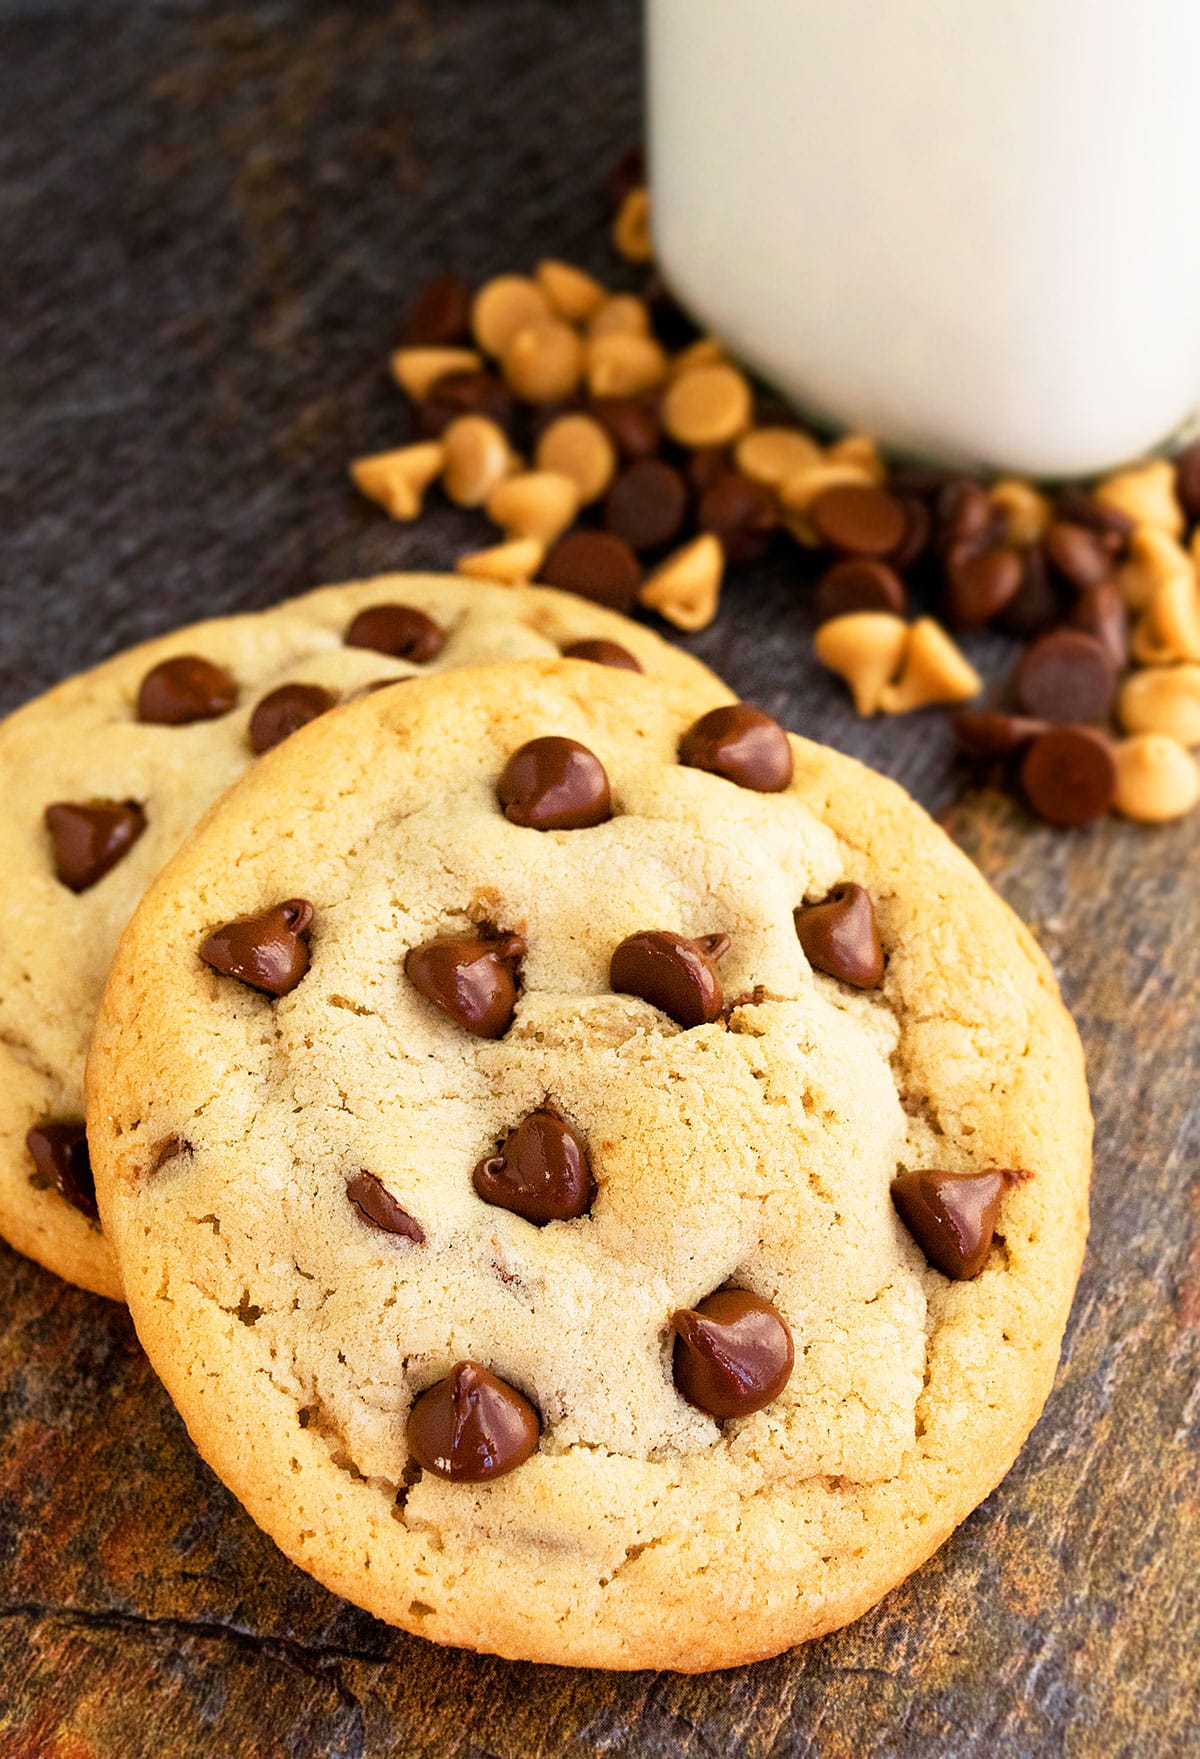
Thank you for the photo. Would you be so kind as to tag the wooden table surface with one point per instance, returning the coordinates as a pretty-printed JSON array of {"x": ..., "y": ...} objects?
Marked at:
[{"x": 211, "y": 217}]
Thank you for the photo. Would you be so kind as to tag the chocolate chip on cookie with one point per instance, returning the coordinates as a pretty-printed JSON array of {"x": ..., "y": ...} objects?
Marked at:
[
  {"x": 541, "y": 1171},
  {"x": 472, "y": 1426},
  {"x": 375, "y": 1203},
  {"x": 952, "y": 1216},
  {"x": 168, "y": 1149},
  {"x": 399, "y": 630},
  {"x": 673, "y": 973},
  {"x": 743, "y": 745},
  {"x": 89, "y": 837},
  {"x": 840, "y": 938},
  {"x": 177, "y": 692},
  {"x": 733, "y": 1353},
  {"x": 472, "y": 979},
  {"x": 554, "y": 784},
  {"x": 282, "y": 711},
  {"x": 267, "y": 951},
  {"x": 603, "y": 653},
  {"x": 60, "y": 1157}
]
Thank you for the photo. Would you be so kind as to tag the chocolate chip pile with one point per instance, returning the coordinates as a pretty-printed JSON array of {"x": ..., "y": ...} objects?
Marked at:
[{"x": 626, "y": 458}]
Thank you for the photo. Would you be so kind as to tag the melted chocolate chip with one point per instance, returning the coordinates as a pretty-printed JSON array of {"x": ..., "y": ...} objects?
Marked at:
[
  {"x": 839, "y": 936},
  {"x": 399, "y": 630},
  {"x": 1069, "y": 775},
  {"x": 185, "y": 689},
  {"x": 473, "y": 980},
  {"x": 554, "y": 784},
  {"x": 60, "y": 1156},
  {"x": 165, "y": 1151},
  {"x": 282, "y": 711},
  {"x": 540, "y": 1171},
  {"x": 375, "y": 1203},
  {"x": 267, "y": 951},
  {"x": 90, "y": 837},
  {"x": 733, "y": 1353},
  {"x": 673, "y": 973},
  {"x": 743, "y": 745},
  {"x": 952, "y": 1216},
  {"x": 603, "y": 653},
  {"x": 472, "y": 1426}
]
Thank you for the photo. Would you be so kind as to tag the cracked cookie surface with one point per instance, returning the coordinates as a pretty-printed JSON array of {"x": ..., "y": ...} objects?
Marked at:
[
  {"x": 128, "y": 756},
  {"x": 319, "y": 1249}
]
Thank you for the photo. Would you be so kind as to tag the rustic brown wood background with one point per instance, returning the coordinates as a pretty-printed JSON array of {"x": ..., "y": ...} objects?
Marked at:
[{"x": 211, "y": 216}]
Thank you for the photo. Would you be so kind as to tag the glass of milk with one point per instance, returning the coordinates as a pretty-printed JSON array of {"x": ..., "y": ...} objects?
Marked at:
[{"x": 970, "y": 227}]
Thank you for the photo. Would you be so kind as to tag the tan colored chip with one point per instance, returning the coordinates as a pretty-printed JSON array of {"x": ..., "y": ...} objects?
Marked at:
[
  {"x": 1026, "y": 512},
  {"x": 478, "y": 456},
  {"x": 1157, "y": 778},
  {"x": 417, "y": 370},
  {"x": 509, "y": 564},
  {"x": 1173, "y": 617},
  {"x": 579, "y": 447},
  {"x": 935, "y": 670},
  {"x": 624, "y": 365},
  {"x": 704, "y": 351},
  {"x": 772, "y": 455},
  {"x": 1145, "y": 494},
  {"x": 631, "y": 229},
  {"x": 398, "y": 479},
  {"x": 686, "y": 588},
  {"x": 503, "y": 307},
  {"x": 624, "y": 314},
  {"x": 573, "y": 294},
  {"x": 1153, "y": 558},
  {"x": 1162, "y": 699},
  {"x": 862, "y": 450},
  {"x": 544, "y": 362},
  {"x": 709, "y": 406},
  {"x": 535, "y": 503},
  {"x": 865, "y": 648},
  {"x": 810, "y": 482}
]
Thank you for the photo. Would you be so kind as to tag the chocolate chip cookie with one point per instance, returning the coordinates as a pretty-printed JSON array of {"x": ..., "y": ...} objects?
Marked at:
[
  {"x": 106, "y": 774},
  {"x": 602, "y": 1180}
]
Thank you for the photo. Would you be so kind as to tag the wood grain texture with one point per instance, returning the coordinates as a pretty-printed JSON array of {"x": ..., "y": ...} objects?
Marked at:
[{"x": 211, "y": 217}]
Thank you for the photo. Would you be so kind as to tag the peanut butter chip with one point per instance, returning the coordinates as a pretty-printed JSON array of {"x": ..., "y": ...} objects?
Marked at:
[
  {"x": 577, "y": 446},
  {"x": 934, "y": 671},
  {"x": 417, "y": 370},
  {"x": 1145, "y": 494},
  {"x": 1157, "y": 778},
  {"x": 544, "y": 362},
  {"x": 686, "y": 588},
  {"x": 1162, "y": 699},
  {"x": 624, "y": 314},
  {"x": 477, "y": 458},
  {"x": 505, "y": 306},
  {"x": 631, "y": 228},
  {"x": 772, "y": 455},
  {"x": 709, "y": 406},
  {"x": 397, "y": 480},
  {"x": 510, "y": 564},
  {"x": 573, "y": 294},
  {"x": 536, "y": 503},
  {"x": 866, "y": 649},
  {"x": 624, "y": 366}
]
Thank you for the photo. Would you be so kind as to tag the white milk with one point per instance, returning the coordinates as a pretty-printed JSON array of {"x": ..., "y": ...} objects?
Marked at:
[{"x": 971, "y": 227}]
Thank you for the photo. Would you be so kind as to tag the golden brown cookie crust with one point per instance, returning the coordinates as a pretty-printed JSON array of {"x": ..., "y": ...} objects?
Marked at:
[
  {"x": 640, "y": 1535},
  {"x": 81, "y": 741}
]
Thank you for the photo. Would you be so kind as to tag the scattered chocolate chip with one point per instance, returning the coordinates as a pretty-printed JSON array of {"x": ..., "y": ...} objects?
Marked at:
[
  {"x": 1187, "y": 481},
  {"x": 441, "y": 316},
  {"x": 60, "y": 1156},
  {"x": 733, "y": 1353},
  {"x": 554, "y": 784},
  {"x": 268, "y": 950},
  {"x": 647, "y": 504},
  {"x": 375, "y": 1203},
  {"x": 952, "y": 1216},
  {"x": 165, "y": 1151},
  {"x": 741, "y": 513},
  {"x": 1036, "y": 604},
  {"x": 628, "y": 174},
  {"x": 399, "y": 630},
  {"x": 282, "y": 711},
  {"x": 185, "y": 689},
  {"x": 1066, "y": 676},
  {"x": 1099, "y": 610},
  {"x": 918, "y": 533},
  {"x": 859, "y": 519},
  {"x": 839, "y": 936},
  {"x": 603, "y": 653},
  {"x": 986, "y": 734},
  {"x": 707, "y": 465},
  {"x": 1079, "y": 508},
  {"x": 1069, "y": 775},
  {"x": 472, "y": 979},
  {"x": 858, "y": 584},
  {"x": 88, "y": 837},
  {"x": 1078, "y": 552},
  {"x": 596, "y": 565},
  {"x": 633, "y": 423},
  {"x": 540, "y": 1171},
  {"x": 964, "y": 513},
  {"x": 472, "y": 1426},
  {"x": 468, "y": 393},
  {"x": 741, "y": 744},
  {"x": 979, "y": 583},
  {"x": 673, "y": 973}
]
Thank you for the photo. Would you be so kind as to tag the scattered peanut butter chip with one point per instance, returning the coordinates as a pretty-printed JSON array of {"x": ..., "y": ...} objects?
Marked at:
[
  {"x": 596, "y": 565},
  {"x": 544, "y": 362},
  {"x": 59, "y": 1151},
  {"x": 866, "y": 648},
  {"x": 603, "y": 653},
  {"x": 509, "y": 564},
  {"x": 89, "y": 837},
  {"x": 952, "y": 1216},
  {"x": 1145, "y": 494},
  {"x": 673, "y": 973},
  {"x": 503, "y": 307},
  {"x": 624, "y": 365},
  {"x": 733, "y": 1353},
  {"x": 1069, "y": 775},
  {"x": 477, "y": 458},
  {"x": 418, "y": 370},
  {"x": 573, "y": 293},
  {"x": 554, "y": 784},
  {"x": 1026, "y": 512},
  {"x": 1162, "y": 699},
  {"x": 402, "y": 631},
  {"x": 472, "y": 979},
  {"x": 472, "y": 1427},
  {"x": 283, "y": 711},
  {"x": 934, "y": 671},
  {"x": 1157, "y": 778},
  {"x": 397, "y": 480},
  {"x": 839, "y": 936},
  {"x": 1153, "y": 559},
  {"x": 579, "y": 447},
  {"x": 686, "y": 588},
  {"x": 621, "y": 314},
  {"x": 631, "y": 234},
  {"x": 772, "y": 455},
  {"x": 708, "y": 406},
  {"x": 188, "y": 688},
  {"x": 535, "y": 503},
  {"x": 1173, "y": 615},
  {"x": 267, "y": 950},
  {"x": 375, "y": 1203},
  {"x": 704, "y": 351},
  {"x": 741, "y": 744},
  {"x": 798, "y": 493},
  {"x": 540, "y": 1171}
]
